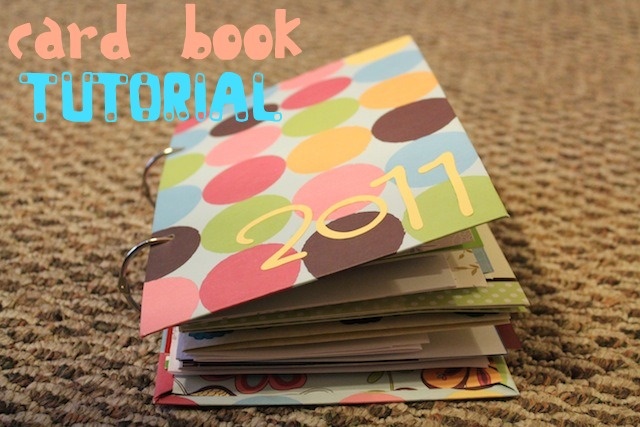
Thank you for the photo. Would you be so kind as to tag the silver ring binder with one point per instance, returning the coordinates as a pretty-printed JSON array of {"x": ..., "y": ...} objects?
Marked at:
[
  {"x": 145, "y": 185},
  {"x": 123, "y": 283}
]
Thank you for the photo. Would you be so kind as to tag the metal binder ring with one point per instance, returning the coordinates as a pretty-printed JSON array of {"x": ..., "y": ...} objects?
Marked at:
[
  {"x": 147, "y": 167},
  {"x": 123, "y": 283}
]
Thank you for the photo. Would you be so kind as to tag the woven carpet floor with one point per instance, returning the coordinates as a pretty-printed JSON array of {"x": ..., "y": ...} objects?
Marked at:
[{"x": 549, "y": 92}]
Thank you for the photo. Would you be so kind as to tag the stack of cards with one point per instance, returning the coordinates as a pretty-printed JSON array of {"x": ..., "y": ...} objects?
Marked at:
[{"x": 337, "y": 255}]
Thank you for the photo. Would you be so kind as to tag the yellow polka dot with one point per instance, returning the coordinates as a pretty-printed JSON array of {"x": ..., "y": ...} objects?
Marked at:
[
  {"x": 378, "y": 52},
  {"x": 399, "y": 90},
  {"x": 328, "y": 149}
]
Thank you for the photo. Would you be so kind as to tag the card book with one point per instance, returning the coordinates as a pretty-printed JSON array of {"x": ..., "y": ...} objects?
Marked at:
[{"x": 338, "y": 255}]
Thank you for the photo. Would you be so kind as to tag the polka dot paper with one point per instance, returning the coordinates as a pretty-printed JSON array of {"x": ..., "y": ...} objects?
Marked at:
[{"x": 369, "y": 159}]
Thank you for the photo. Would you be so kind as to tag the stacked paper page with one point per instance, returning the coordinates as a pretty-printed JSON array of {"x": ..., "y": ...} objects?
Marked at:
[{"x": 337, "y": 255}]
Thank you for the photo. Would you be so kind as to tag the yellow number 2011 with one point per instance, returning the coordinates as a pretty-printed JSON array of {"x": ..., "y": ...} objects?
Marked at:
[{"x": 398, "y": 174}]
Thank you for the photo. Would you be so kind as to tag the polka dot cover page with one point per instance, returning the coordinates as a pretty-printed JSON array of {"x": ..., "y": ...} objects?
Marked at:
[{"x": 335, "y": 253}]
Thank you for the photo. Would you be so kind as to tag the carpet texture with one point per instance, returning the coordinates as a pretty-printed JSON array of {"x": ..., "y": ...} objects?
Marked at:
[{"x": 549, "y": 92}]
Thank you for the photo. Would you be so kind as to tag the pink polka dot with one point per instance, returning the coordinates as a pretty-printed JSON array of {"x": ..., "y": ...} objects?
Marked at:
[
  {"x": 239, "y": 277},
  {"x": 244, "y": 180},
  {"x": 167, "y": 302},
  {"x": 243, "y": 145},
  {"x": 336, "y": 185},
  {"x": 312, "y": 76},
  {"x": 316, "y": 93},
  {"x": 172, "y": 399}
]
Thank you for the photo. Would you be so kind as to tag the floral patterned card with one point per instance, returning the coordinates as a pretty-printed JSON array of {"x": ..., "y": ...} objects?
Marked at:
[
  {"x": 367, "y": 159},
  {"x": 463, "y": 376},
  {"x": 440, "y": 383}
]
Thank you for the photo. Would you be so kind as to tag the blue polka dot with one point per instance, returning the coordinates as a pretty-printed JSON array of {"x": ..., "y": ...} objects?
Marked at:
[
  {"x": 388, "y": 67},
  {"x": 173, "y": 204},
  {"x": 425, "y": 150},
  {"x": 268, "y": 91},
  {"x": 188, "y": 139}
]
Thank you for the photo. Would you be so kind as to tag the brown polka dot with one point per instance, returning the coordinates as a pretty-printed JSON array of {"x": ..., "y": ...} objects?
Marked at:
[
  {"x": 167, "y": 257},
  {"x": 230, "y": 125},
  {"x": 413, "y": 121},
  {"x": 326, "y": 255}
]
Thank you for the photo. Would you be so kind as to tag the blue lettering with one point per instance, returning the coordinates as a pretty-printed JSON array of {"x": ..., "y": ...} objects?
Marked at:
[
  {"x": 200, "y": 90},
  {"x": 85, "y": 114},
  {"x": 177, "y": 91},
  {"x": 40, "y": 81},
  {"x": 258, "y": 101},
  {"x": 110, "y": 81},
  {"x": 139, "y": 113},
  {"x": 229, "y": 90},
  {"x": 171, "y": 99}
]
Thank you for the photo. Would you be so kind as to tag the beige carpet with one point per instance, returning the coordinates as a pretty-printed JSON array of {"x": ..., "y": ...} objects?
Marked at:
[{"x": 549, "y": 92}]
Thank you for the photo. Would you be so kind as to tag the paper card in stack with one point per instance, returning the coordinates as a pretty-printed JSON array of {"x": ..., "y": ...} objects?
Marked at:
[{"x": 363, "y": 206}]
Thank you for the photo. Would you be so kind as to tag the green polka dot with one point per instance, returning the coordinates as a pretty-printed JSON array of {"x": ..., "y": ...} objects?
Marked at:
[
  {"x": 219, "y": 235},
  {"x": 320, "y": 117},
  {"x": 177, "y": 169}
]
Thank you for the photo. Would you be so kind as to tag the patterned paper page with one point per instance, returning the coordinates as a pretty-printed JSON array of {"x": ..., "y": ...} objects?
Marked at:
[
  {"x": 368, "y": 159},
  {"x": 379, "y": 386},
  {"x": 497, "y": 296}
]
